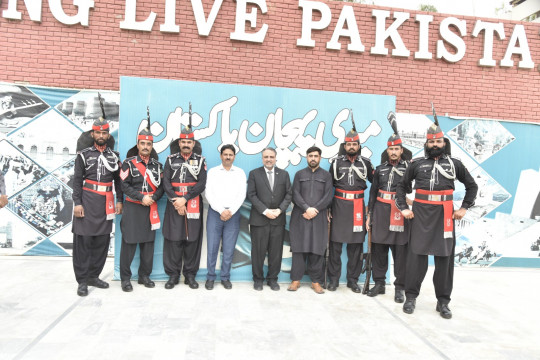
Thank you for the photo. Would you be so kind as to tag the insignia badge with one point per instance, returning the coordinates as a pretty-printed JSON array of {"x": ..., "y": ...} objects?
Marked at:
[
  {"x": 193, "y": 204},
  {"x": 448, "y": 222},
  {"x": 397, "y": 215},
  {"x": 124, "y": 174},
  {"x": 110, "y": 205},
  {"x": 358, "y": 216},
  {"x": 155, "y": 214}
]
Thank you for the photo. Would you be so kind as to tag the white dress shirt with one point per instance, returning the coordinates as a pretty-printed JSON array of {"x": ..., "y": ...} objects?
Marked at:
[{"x": 226, "y": 189}]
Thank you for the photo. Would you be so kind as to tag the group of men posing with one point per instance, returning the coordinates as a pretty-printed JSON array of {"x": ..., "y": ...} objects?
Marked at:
[{"x": 328, "y": 211}]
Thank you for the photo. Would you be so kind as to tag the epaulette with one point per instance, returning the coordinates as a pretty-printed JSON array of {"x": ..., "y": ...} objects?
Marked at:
[
  {"x": 117, "y": 153},
  {"x": 130, "y": 158},
  {"x": 154, "y": 160},
  {"x": 418, "y": 158},
  {"x": 175, "y": 155},
  {"x": 84, "y": 150},
  {"x": 365, "y": 159}
]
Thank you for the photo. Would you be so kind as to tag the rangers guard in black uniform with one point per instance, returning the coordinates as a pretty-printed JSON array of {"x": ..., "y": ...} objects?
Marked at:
[
  {"x": 97, "y": 166},
  {"x": 184, "y": 180},
  {"x": 432, "y": 227},
  {"x": 141, "y": 176},
  {"x": 350, "y": 173},
  {"x": 389, "y": 230}
]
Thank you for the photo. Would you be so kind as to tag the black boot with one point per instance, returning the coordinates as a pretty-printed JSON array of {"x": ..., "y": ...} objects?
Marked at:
[
  {"x": 444, "y": 310},
  {"x": 332, "y": 285},
  {"x": 409, "y": 306},
  {"x": 354, "y": 287},
  {"x": 376, "y": 290},
  {"x": 398, "y": 297},
  {"x": 145, "y": 280},
  {"x": 126, "y": 286},
  {"x": 190, "y": 281},
  {"x": 173, "y": 280},
  {"x": 82, "y": 289}
]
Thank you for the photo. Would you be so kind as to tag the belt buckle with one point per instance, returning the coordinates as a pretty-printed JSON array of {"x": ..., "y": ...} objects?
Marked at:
[
  {"x": 101, "y": 188},
  {"x": 435, "y": 197},
  {"x": 183, "y": 189},
  {"x": 387, "y": 196},
  {"x": 349, "y": 196}
]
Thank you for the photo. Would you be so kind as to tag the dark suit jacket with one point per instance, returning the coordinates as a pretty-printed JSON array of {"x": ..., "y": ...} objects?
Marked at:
[{"x": 262, "y": 198}]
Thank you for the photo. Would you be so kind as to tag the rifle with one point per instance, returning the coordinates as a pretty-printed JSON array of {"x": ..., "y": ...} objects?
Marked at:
[
  {"x": 325, "y": 267},
  {"x": 367, "y": 265}
]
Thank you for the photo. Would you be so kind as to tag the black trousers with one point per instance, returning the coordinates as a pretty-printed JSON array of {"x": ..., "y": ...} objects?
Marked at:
[
  {"x": 89, "y": 256},
  {"x": 354, "y": 265},
  {"x": 267, "y": 238},
  {"x": 127, "y": 253},
  {"x": 443, "y": 278},
  {"x": 177, "y": 252},
  {"x": 315, "y": 267},
  {"x": 379, "y": 260}
]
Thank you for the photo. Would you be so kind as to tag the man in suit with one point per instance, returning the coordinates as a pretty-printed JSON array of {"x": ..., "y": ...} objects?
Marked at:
[{"x": 269, "y": 190}]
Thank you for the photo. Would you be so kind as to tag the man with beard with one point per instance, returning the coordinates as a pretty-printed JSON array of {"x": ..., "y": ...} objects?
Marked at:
[
  {"x": 269, "y": 190},
  {"x": 225, "y": 192},
  {"x": 3, "y": 196},
  {"x": 312, "y": 194},
  {"x": 389, "y": 230},
  {"x": 141, "y": 183},
  {"x": 350, "y": 173},
  {"x": 433, "y": 215},
  {"x": 97, "y": 166},
  {"x": 184, "y": 180}
]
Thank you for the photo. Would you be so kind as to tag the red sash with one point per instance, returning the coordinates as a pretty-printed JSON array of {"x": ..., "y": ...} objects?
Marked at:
[
  {"x": 396, "y": 220},
  {"x": 192, "y": 206},
  {"x": 103, "y": 189},
  {"x": 444, "y": 198},
  {"x": 357, "y": 197},
  {"x": 155, "y": 223}
]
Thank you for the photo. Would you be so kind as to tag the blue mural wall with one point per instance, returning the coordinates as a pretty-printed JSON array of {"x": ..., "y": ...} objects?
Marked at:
[{"x": 39, "y": 128}]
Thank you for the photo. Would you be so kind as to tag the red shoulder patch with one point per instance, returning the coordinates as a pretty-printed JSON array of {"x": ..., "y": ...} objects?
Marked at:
[{"x": 124, "y": 174}]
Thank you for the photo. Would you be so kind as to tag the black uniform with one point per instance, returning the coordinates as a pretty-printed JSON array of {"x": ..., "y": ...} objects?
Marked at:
[
  {"x": 309, "y": 237},
  {"x": 430, "y": 229},
  {"x": 348, "y": 178},
  {"x": 136, "y": 224},
  {"x": 94, "y": 175},
  {"x": 385, "y": 235},
  {"x": 183, "y": 234}
]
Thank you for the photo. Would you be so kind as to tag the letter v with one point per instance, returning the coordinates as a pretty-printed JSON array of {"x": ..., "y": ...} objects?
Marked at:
[{"x": 204, "y": 26}]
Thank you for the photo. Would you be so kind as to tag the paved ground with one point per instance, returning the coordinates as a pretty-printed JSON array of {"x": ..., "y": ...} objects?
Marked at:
[{"x": 495, "y": 317}]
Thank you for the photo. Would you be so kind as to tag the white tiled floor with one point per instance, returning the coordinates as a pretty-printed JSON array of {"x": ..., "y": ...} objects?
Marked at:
[{"x": 496, "y": 316}]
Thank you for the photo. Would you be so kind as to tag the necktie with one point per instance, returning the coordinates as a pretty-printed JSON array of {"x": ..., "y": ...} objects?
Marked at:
[{"x": 271, "y": 179}]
